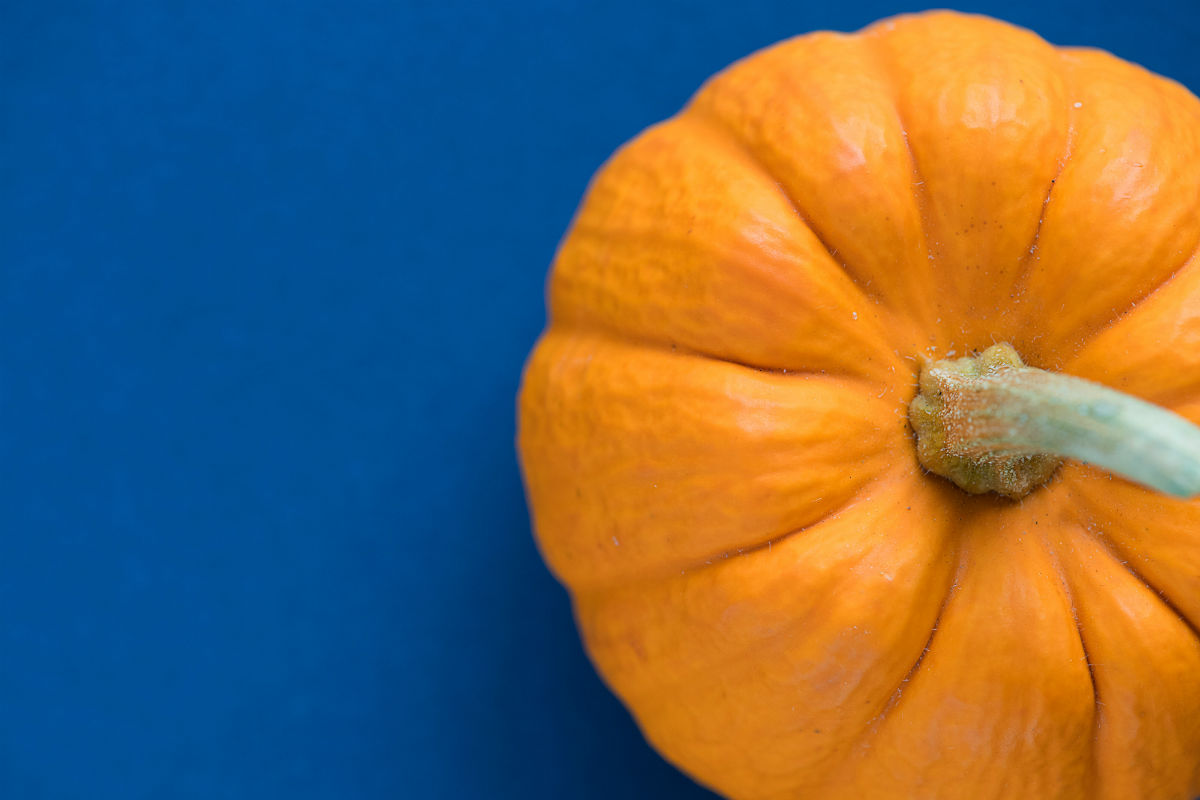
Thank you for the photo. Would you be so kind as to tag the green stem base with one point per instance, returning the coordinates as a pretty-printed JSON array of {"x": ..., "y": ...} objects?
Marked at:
[{"x": 991, "y": 424}]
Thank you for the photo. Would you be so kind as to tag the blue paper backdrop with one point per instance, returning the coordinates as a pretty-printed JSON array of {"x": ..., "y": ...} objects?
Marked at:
[{"x": 268, "y": 273}]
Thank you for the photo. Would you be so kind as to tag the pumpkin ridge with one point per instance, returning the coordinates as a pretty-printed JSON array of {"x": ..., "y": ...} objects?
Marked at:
[
  {"x": 873, "y": 44},
  {"x": 1136, "y": 674},
  {"x": 562, "y": 321},
  {"x": 1027, "y": 259},
  {"x": 718, "y": 125},
  {"x": 872, "y": 729},
  {"x": 979, "y": 237},
  {"x": 898, "y": 694},
  {"x": 717, "y": 559},
  {"x": 1120, "y": 245},
  {"x": 1098, "y": 715},
  {"x": 1087, "y": 338},
  {"x": 764, "y": 646},
  {"x": 1116, "y": 553},
  {"x": 605, "y": 332}
]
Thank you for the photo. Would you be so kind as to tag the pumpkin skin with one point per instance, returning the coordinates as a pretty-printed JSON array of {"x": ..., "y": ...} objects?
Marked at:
[{"x": 715, "y": 447}]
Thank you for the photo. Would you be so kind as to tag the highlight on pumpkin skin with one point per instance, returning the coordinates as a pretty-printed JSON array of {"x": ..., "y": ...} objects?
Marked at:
[
  {"x": 990, "y": 423},
  {"x": 812, "y": 636},
  {"x": 654, "y": 460},
  {"x": 1144, "y": 657},
  {"x": 1001, "y": 705},
  {"x": 686, "y": 241},
  {"x": 1001, "y": 107}
]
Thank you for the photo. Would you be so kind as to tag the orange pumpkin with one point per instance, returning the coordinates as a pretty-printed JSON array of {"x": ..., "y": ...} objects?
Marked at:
[{"x": 716, "y": 440}]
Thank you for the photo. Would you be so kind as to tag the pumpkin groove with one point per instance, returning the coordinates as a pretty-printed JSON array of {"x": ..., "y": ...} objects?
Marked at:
[
  {"x": 717, "y": 125},
  {"x": 1115, "y": 553},
  {"x": 1087, "y": 658}
]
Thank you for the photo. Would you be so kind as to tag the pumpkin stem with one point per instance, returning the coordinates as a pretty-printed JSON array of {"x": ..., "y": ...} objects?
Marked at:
[{"x": 990, "y": 423}]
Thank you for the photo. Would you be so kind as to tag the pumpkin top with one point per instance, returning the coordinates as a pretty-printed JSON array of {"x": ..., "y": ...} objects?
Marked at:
[
  {"x": 714, "y": 427},
  {"x": 938, "y": 409}
]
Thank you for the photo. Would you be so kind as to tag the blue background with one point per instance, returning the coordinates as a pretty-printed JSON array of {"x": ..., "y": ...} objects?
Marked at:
[{"x": 268, "y": 273}]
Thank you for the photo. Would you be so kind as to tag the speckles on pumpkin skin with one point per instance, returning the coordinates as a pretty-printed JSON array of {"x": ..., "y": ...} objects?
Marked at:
[{"x": 635, "y": 644}]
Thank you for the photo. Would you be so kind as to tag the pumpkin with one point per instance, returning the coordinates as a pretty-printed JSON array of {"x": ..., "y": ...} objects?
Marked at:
[{"x": 938, "y": 234}]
